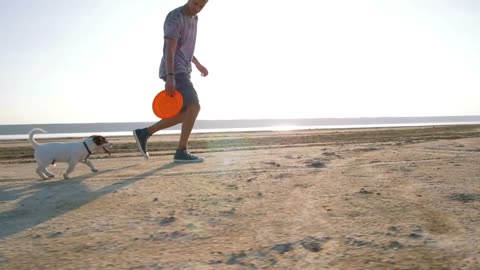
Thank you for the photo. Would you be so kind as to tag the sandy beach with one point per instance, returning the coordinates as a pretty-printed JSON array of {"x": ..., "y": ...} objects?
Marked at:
[{"x": 383, "y": 198}]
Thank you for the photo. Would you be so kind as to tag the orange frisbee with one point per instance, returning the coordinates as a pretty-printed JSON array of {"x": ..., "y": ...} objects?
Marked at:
[{"x": 165, "y": 106}]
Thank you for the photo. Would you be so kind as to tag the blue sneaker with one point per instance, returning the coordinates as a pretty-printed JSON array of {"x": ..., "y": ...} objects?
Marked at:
[
  {"x": 141, "y": 136},
  {"x": 183, "y": 156}
]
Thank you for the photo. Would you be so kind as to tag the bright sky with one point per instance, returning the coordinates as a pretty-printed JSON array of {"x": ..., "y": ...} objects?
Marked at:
[{"x": 65, "y": 61}]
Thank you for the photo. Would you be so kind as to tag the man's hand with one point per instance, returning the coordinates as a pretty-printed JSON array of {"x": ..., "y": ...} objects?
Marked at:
[
  {"x": 203, "y": 70},
  {"x": 170, "y": 85}
]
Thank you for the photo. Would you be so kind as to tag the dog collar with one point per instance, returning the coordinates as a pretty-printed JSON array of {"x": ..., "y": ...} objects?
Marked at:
[{"x": 88, "y": 150}]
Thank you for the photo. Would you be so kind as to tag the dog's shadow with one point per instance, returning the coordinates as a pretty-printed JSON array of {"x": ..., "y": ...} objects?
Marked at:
[{"x": 49, "y": 199}]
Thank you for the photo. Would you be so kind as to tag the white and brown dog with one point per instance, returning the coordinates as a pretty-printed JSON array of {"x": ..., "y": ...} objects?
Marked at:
[{"x": 72, "y": 153}]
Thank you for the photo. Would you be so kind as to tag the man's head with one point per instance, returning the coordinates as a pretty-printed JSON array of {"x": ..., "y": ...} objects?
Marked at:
[{"x": 193, "y": 7}]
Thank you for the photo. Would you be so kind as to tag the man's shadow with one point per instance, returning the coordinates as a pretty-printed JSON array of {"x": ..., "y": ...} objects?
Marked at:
[{"x": 47, "y": 199}]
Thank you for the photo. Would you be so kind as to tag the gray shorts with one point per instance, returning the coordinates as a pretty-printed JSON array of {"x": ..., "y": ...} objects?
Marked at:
[{"x": 184, "y": 85}]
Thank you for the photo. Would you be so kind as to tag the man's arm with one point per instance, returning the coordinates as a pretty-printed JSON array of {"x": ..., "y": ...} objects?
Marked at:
[
  {"x": 203, "y": 70},
  {"x": 171, "y": 45},
  {"x": 195, "y": 61},
  {"x": 171, "y": 48}
]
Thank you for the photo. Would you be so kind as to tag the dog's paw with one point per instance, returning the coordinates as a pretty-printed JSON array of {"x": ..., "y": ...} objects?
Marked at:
[
  {"x": 65, "y": 177},
  {"x": 51, "y": 176},
  {"x": 94, "y": 170}
]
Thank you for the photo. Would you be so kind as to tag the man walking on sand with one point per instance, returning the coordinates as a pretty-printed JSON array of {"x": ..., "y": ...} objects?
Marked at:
[{"x": 180, "y": 32}]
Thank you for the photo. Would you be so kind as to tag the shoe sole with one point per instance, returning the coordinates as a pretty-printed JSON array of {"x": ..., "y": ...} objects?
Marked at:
[
  {"x": 188, "y": 161},
  {"x": 145, "y": 155}
]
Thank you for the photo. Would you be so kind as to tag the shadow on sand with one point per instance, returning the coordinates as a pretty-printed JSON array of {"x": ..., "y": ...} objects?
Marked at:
[{"x": 49, "y": 199}]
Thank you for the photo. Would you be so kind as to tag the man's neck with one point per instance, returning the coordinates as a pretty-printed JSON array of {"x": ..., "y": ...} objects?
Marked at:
[{"x": 186, "y": 11}]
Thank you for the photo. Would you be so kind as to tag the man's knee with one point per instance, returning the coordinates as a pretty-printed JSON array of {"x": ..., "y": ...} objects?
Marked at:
[{"x": 194, "y": 107}]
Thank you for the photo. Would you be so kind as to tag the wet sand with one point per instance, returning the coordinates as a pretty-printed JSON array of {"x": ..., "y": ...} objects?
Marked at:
[{"x": 385, "y": 198}]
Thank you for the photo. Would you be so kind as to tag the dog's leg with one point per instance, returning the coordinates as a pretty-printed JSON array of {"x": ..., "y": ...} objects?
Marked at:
[
  {"x": 89, "y": 163},
  {"x": 40, "y": 171},
  {"x": 71, "y": 167},
  {"x": 48, "y": 173}
]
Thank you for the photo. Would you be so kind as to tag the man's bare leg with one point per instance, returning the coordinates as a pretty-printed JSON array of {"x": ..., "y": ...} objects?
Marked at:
[
  {"x": 166, "y": 123},
  {"x": 190, "y": 116},
  {"x": 182, "y": 155},
  {"x": 187, "y": 118},
  {"x": 141, "y": 135}
]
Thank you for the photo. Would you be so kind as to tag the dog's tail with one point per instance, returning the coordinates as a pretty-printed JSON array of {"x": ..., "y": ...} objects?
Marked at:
[{"x": 33, "y": 132}]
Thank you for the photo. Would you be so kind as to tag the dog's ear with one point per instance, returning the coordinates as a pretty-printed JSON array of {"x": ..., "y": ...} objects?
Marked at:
[{"x": 97, "y": 139}]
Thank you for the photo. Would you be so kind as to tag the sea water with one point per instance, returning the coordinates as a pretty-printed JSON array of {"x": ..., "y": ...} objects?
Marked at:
[{"x": 10, "y": 132}]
